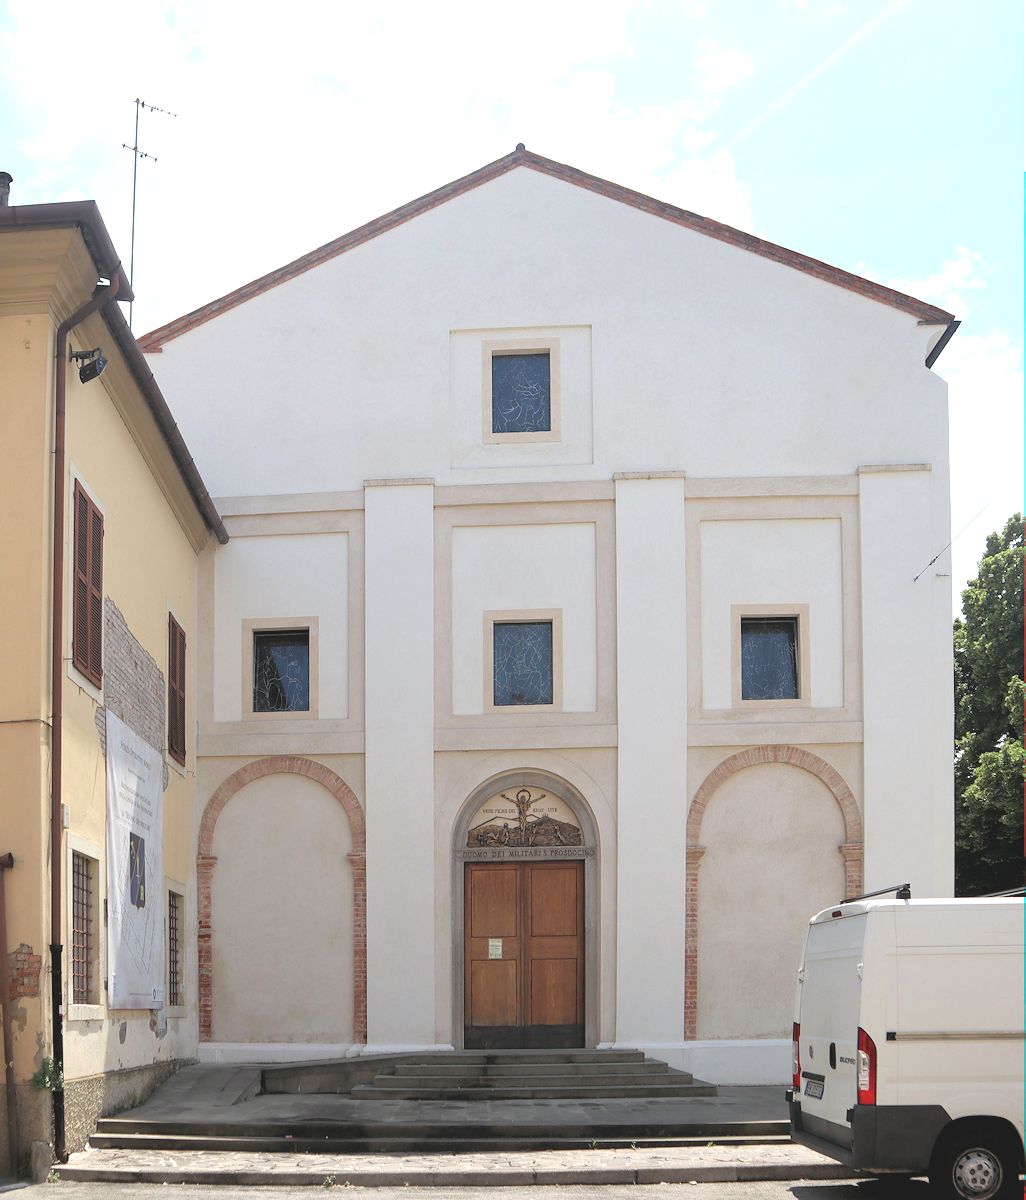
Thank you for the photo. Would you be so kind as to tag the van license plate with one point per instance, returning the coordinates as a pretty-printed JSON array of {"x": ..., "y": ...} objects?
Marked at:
[{"x": 814, "y": 1088}]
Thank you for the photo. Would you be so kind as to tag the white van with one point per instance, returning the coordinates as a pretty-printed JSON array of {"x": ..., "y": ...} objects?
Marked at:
[{"x": 908, "y": 1041}]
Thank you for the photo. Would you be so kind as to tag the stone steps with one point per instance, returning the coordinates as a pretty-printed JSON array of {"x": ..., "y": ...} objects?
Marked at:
[
  {"x": 583, "y": 1069},
  {"x": 562, "y": 1091},
  {"x": 525, "y": 1075},
  {"x": 571, "y": 1075}
]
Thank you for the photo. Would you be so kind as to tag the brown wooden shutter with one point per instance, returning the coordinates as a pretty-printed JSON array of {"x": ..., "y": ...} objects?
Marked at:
[
  {"x": 87, "y": 591},
  {"x": 175, "y": 690}
]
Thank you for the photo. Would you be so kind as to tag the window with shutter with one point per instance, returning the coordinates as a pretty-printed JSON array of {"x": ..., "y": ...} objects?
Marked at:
[
  {"x": 175, "y": 690},
  {"x": 87, "y": 593}
]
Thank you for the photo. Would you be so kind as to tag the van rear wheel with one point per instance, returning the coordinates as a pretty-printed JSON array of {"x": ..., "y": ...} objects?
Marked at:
[{"x": 975, "y": 1165}]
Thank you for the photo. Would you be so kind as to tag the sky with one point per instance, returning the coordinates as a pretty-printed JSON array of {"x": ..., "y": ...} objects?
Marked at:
[{"x": 882, "y": 136}]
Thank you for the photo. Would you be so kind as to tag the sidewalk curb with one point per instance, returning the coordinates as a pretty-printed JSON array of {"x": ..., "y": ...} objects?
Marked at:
[{"x": 719, "y": 1173}]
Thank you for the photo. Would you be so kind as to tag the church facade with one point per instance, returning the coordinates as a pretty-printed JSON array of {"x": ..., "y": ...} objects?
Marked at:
[{"x": 572, "y": 644}]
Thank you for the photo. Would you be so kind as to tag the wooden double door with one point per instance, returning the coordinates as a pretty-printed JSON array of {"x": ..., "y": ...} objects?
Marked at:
[{"x": 523, "y": 955}]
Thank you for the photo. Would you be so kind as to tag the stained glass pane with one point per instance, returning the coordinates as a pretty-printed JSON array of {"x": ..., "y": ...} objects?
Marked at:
[
  {"x": 281, "y": 671},
  {"x": 769, "y": 658},
  {"x": 520, "y": 393},
  {"x": 523, "y": 662}
]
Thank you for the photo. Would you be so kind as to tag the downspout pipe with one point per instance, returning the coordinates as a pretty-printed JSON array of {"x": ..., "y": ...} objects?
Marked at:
[
  {"x": 101, "y": 297},
  {"x": 6, "y": 863}
]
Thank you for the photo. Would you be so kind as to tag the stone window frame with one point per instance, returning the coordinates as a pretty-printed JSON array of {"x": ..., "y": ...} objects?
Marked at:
[
  {"x": 799, "y": 613},
  {"x": 498, "y": 347},
  {"x": 523, "y": 616},
  {"x": 97, "y": 1010},
  {"x": 173, "y": 885},
  {"x": 251, "y": 625}
]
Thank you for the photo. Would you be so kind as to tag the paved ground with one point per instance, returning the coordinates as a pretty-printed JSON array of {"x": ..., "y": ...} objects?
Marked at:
[
  {"x": 864, "y": 1189},
  {"x": 227, "y": 1095}
]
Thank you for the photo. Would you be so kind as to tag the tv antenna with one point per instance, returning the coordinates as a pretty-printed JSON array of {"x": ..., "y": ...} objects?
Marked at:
[{"x": 136, "y": 155}]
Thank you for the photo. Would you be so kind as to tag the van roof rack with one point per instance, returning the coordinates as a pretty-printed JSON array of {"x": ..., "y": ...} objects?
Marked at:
[{"x": 902, "y": 891}]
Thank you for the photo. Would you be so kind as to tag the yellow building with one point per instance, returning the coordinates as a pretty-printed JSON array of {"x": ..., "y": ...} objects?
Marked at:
[{"x": 89, "y": 446}]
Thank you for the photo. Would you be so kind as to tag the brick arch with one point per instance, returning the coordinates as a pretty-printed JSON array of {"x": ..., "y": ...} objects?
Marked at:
[
  {"x": 851, "y": 849},
  {"x": 281, "y": 764}
]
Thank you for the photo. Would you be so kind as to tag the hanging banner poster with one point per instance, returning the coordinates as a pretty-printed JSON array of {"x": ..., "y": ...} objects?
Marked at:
[{"x": 135, "y": 869}]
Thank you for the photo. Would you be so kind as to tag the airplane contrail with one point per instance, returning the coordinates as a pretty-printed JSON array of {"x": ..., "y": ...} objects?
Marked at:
[{"x": 767, "y": 113}]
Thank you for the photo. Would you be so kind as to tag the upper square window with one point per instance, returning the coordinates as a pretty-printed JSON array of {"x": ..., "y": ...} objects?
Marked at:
[
  {"x": 522, "y": 663},
  {"x": 281, "y": 670},
  {"x": 521, "y": 390},
  {"x": 770, "y": 658},
  {"x": 521, "y": 393}
]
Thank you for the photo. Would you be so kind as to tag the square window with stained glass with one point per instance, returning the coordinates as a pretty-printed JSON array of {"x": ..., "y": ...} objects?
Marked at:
[
  {"x": 522, "y": 658},
  {"x": 281, "y": 670},
  {"x": 521, "y": 393},
  {"x": 769, "y": 658}
]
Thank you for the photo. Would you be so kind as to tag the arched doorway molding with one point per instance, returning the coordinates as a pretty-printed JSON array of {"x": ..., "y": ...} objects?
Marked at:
[
  {"x": 570, "y": 795},
  {"x": 851, "y": 849},
  {"x": 206, "y": 861}
]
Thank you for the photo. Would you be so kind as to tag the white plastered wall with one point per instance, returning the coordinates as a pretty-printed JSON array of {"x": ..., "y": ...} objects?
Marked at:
[
  {"x": 523, "y": 568},
  {"x": 399, "y": 582},
  {"x": 282, "y": 903},
  {"x": 283, "y": 577},
  {"x": 651, "y": 763},
  {"x": 679, "y": 327},
  {"x": 907, "y": 652},
  {"x": 771, "y": 562}
]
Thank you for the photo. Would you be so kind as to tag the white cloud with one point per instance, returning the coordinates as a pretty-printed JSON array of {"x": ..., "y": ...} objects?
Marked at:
[
  {"x": 710, "y": 186},
  {"x": 819, "y": 69},
  {"x": 985, "y": 389},
  {"x": 948, "y": 286},
  {"x": 721, "y": 68},
  {"x": 694, "y": 140}
]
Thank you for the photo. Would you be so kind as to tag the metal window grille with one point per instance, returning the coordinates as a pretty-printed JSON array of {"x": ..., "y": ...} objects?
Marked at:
[
  {"x": 174, "y": 965},
  {"x": 81, "y": 929}
]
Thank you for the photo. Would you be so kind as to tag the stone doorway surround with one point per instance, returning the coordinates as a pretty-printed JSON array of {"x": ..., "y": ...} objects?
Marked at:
[
  {"x": 588, "y": 851},
  {"x": 851, "y": 849},
  {"x": 281, "y": 764}
]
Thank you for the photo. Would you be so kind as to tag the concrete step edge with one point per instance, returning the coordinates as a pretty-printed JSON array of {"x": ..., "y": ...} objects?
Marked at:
[
  {"x": 468, "y": 1177},
  {"x": 683, "y": 1091},
  {"x": 406, "y": 1146},
  {"x": 426, "y": 1131}
]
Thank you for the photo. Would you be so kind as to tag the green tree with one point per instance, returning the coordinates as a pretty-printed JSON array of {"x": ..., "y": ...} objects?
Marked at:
[{"x": 989, "y": 690}]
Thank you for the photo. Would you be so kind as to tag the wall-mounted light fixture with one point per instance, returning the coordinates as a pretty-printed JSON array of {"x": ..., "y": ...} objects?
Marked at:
[{"x": 93, "y": 363}]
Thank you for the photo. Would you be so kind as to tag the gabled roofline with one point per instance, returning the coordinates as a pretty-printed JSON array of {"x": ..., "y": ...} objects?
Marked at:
[
  {"x": 84, "y": 215},
  {"x": 927, "y": 314}
]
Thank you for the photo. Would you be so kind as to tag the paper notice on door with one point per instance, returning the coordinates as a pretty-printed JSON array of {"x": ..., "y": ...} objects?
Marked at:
[{"x": 495, "y": 947}]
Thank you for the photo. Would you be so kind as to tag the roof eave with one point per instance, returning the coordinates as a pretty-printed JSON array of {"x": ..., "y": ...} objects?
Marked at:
[{"x": 84, "y": 215}]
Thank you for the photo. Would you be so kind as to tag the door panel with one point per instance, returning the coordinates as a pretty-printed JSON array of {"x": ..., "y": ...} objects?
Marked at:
[
  {"x": 553, "y": 992},
  {"x": 493, "y": 903},
  {"x": 554, "y": 901},
  {"x": 493, "y": 992},
  {"x": 524, "y": 955}
]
